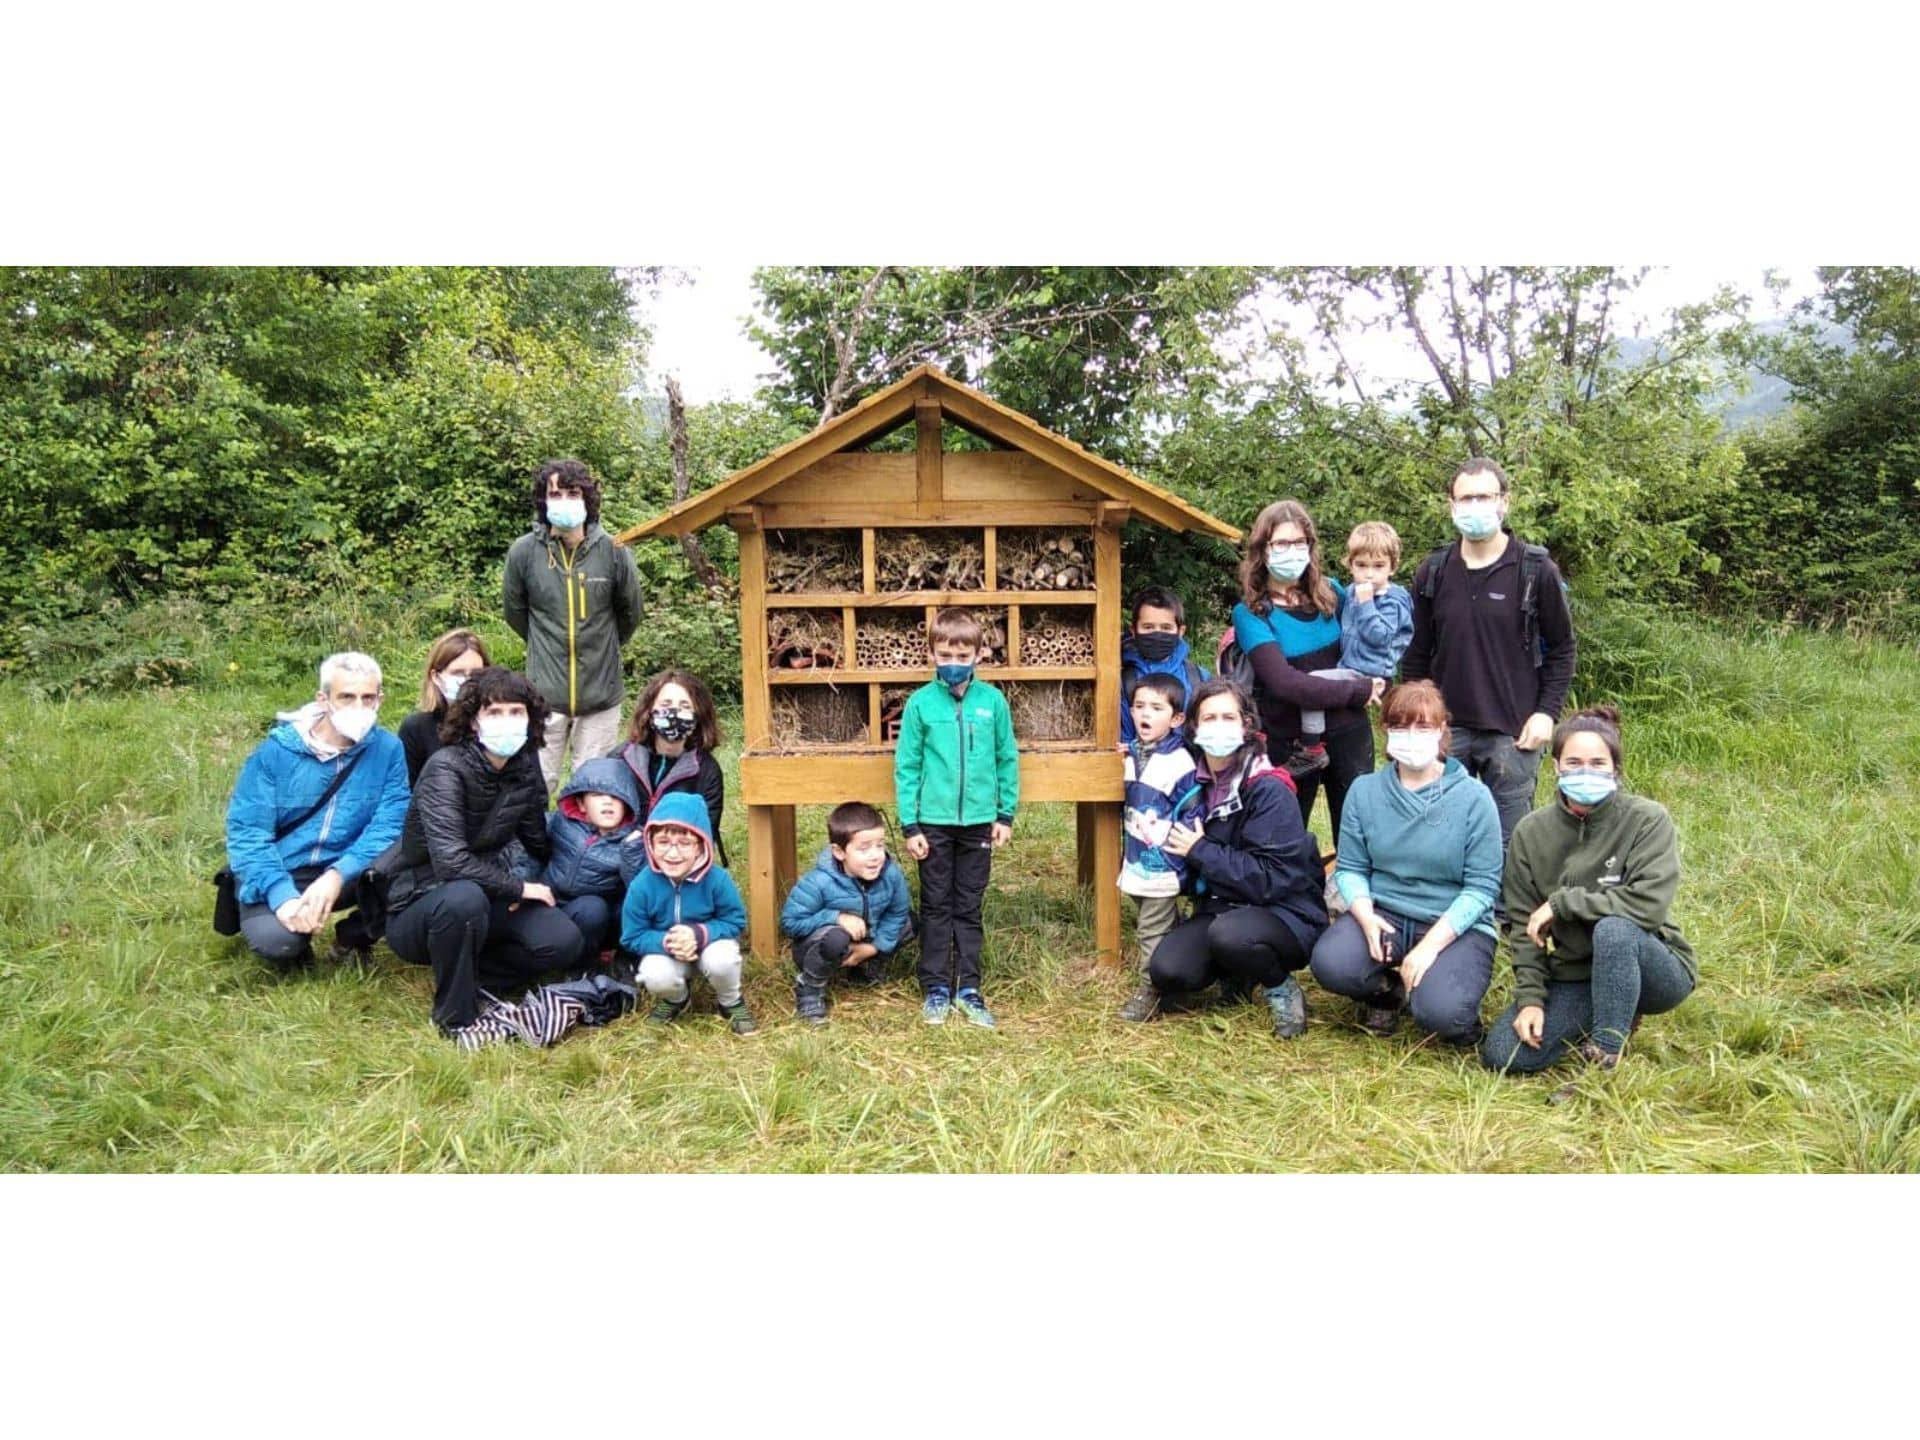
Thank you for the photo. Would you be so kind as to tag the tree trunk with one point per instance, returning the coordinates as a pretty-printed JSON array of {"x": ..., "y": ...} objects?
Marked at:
[{"x": 709, "y": 575}]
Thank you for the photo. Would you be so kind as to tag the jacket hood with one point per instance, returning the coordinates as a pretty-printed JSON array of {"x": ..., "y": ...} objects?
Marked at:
[
  {"x": 1453, "y": 775},
  {"x": 689, "y": 812},
  {"x": 295, "y": 731},
  {"x": 607, "y": 775}
]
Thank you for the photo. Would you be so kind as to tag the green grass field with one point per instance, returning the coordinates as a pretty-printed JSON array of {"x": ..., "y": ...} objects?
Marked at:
[{"x": 132, "y": 1038}]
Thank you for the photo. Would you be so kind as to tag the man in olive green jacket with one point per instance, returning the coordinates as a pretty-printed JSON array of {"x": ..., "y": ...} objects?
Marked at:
[{"x": 574, "y": 596}]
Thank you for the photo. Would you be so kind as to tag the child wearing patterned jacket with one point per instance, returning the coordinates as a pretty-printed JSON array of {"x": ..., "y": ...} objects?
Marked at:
[{"x": 1161, "y": 790}]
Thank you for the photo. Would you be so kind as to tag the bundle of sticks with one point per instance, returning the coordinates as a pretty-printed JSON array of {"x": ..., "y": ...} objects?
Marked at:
[
  {"x": 930, "y": 560},
  {"x": 813, "y": 561},
  {"x": 803, "y": 639},
  {"x": 1051, "y": 709},
  {"x": 819, "y": 715},
  {"x": 1045, "y": 559},
  {"x": 1056, "y": 637}
]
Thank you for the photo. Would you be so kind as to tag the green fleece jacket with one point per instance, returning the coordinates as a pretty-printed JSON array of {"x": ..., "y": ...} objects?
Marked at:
[
  {"x": 575, "y": 609},
  {"x": 956, "y": 763},
  {"x": 1618, "y": 859}
]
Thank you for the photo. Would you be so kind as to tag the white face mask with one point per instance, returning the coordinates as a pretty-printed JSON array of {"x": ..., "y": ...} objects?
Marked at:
[
  {"x": 1220, "y": 738},
  {"x": 448, "y": 684},
  {"x": 503, "y": 735},
  {"x": 355, "y": 721},
  {"x": 566, "y": 514},
  {"x": 1416, "y": 749}
]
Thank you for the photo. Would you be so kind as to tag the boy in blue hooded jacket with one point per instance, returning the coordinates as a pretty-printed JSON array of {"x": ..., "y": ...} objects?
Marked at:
[
  {"x": 683, "y": 910},
  {"x": 849, "y": 914},
  {"x": 597, "y": 848}
]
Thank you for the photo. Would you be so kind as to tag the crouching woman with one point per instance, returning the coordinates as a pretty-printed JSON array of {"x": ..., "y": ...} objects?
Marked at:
[{"x": 1588, "y": 885}]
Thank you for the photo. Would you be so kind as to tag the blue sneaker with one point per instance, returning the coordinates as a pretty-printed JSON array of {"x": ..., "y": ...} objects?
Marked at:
[
  {"x": 938, "y": 1003},
  {"x": 969, "y": 1004}
]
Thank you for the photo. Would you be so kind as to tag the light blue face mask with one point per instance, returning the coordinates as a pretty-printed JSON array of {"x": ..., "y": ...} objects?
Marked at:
[
  {"x": 1588, "y": 787},
  {"x": 1220, "y": 738},
  {"x": 504, "y": 738},
  {"x": 953, "y": 676},
  {"x": 566, "y": 514},
  {"x": 1289, "y": 563},
  {"x": 1477, "y": 522}
]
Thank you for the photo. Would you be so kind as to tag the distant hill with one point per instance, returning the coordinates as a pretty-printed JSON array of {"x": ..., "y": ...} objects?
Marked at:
[{"x": 1764, "y": 394}]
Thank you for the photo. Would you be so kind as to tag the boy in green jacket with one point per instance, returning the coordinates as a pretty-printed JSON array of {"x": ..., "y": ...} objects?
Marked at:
[{"x": 956, "y": 777}]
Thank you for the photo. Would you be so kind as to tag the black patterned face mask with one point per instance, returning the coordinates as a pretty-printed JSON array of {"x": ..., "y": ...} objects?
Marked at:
[{"x": 673, "y": 726}]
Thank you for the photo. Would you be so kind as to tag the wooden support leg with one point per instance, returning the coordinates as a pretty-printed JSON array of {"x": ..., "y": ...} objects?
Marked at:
[
  {"x": 1106, "y": 893},
  {"x": 1083, "y": 842},
  {"x": 763, "y": 904},
  {"x": 785, "y": 854}
]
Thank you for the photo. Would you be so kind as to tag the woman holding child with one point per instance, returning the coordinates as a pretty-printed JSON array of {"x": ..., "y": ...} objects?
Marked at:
[
  {"x": 1420, "y": 870},
  {"x": 1288, "y": 626},
  {"x": 1250, "y": 866}
]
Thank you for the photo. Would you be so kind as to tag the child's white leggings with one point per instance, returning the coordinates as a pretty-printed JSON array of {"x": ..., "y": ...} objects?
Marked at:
[{"x": 720, "y": 962}]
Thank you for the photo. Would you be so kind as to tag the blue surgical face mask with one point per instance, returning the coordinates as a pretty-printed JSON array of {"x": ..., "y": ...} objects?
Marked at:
[
  {"x": 954, "y": 676},
  {"x": 504, "y": 736},
  {"x": 1220, "y": 738},
  {"x": 1287, "y": 562},
  {"x": 1588, "y": 787},
  {"x": 566, "y": 514},
  {"x": 1477, "y": 522}
]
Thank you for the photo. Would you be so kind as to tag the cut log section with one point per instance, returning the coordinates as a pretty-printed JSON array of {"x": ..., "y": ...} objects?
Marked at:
[{"x": 1026, "y": 558}]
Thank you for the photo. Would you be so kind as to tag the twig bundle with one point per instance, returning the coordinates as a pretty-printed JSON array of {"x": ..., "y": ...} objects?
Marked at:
[
  {"x": 1058, "y": 636},
  {"x": 931, "y": 560},
  {"x": 804, "y": 639},
  {"x": 1051, "y": 709},
  {"x": 813, "y": 561},
  {"x": 818, "y": 715},
  {"x": 1043, "y": 559}
]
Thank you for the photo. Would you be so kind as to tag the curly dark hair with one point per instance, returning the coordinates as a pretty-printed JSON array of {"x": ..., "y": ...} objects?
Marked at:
[
  {"x": 495, "y": 685},
  {"x": 1256, "y": 741},
  {"x": 570, "y": 472}
]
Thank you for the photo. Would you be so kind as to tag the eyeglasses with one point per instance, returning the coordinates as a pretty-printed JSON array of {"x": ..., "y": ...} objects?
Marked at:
[
  {"x": 1487, "y": 499},
  {"x": 1281, "y": 547},
  {"x": 675, "y": 842}
]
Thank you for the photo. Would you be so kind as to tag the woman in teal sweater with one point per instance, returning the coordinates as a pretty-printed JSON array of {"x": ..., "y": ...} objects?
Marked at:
[{"x": 1420, "y": 869}]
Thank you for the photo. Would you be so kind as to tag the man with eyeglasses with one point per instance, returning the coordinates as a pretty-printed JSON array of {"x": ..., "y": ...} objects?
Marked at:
[{"x": 1492, "y": 629}]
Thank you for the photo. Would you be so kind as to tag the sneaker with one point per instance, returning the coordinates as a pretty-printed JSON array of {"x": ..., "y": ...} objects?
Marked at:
[
  {"x": 810, "y": 1003},
  {"x": 969, "y": 1004},
  {"x": 1378, "y": 1019},
  {"x": 739, "y": 1019},
  {"x": 668, "y": 1011},
  {"x": 1289, "y": 1009},
  {"x": 1304, "y": 760},
  {"x": 1143, "y": 1004},
  {"x": 937, "y": 1004}
]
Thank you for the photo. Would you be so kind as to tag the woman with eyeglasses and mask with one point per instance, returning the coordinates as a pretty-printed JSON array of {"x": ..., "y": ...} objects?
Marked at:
[
  {"x": 1589, "y": 883},
  {"x": 1288, "y": 625},
  {"x": 452, "y": 660},
  {"x": 1419, "y": 869},
  {"x": 670, "y": 745}
]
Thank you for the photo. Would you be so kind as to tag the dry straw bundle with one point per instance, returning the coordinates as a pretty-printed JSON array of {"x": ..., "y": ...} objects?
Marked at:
[
  {"x": 813, "y": 562},
  {"x": 1051, "y": 709},
  {"x": 818, "y": 715},
  {"x": 931, "y": 560},
  {"x": 804, "y": 639}
]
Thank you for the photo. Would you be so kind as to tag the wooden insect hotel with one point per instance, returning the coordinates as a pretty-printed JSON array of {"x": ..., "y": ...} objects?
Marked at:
[{"x": 846, "y": 553}]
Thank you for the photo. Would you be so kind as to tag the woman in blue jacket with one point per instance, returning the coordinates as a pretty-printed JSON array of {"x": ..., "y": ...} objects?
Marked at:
[{"x": 1420, "y": 870}]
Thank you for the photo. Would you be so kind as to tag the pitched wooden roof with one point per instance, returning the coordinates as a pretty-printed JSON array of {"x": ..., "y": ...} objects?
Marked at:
[{"x": 887, "y": 410}]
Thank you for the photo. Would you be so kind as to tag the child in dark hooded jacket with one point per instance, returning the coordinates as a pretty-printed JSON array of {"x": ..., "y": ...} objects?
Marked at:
[{"x": 597, "y": 849}]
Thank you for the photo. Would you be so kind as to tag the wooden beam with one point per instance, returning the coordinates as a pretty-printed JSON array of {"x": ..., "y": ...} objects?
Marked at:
[
  {"x": 1009, "y": 475},
  {"x": 1106, "y": 892},
  {"x": 763, "y": 902},
  {"x": 929, "y": 490},
  {"x": 821, "y": 777},
  {"x": 991, "y": 673},
  {"x": 915, "y": 599},
  {"x": 754, "y": 700},
  {"x": 851, "y": 514},
  {"x": 1106, "y": 630}
]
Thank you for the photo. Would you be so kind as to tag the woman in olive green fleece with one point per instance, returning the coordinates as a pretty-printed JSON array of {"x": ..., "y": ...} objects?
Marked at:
[{"x": 1588, "y": 884}]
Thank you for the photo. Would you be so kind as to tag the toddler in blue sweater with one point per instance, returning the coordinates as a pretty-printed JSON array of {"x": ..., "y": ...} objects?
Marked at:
[{"x": 1376, "y": 623}]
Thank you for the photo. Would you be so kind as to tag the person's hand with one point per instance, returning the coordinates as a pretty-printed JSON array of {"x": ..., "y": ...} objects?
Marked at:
[
  {"x": 1376, "y": 930},
  {"x": 1001, "y": 834},
  {"x": 1538, "y": 922},
  {"x": 293, "y": 915},
  {"x": 682, "y": 944},
  {"x": 1181, "y": 839},
  {"x": 534, "y": 890},
  {"x": 320, "y": 898},
  {"x": 1536, "y": 732},
  {"x": 1528, "y": 1025},
  {"x": 1363, "y": 592},
  {"x": 1417, "y": 962},
  {"x": 860, "y": 954},
  {"x": 917, "y": 846},
  {"x": 852, "y": 924},
  {"x": 1379, "y": 689}
]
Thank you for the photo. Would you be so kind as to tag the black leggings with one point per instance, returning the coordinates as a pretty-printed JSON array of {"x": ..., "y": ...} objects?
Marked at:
[
  {"x": 1250, "y": 944},
  {"x": 1349, "y": 756},
  {"x": 471, "y": 939}
]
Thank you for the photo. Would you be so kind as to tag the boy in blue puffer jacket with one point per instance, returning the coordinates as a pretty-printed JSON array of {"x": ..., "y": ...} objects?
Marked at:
[
  {"x": 849, "y": 914},
  {"x": 683, "y": 910},
  {"x": 597, "y": 849}
]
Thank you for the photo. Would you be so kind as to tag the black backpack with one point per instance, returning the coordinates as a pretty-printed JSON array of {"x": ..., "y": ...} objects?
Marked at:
[{"x": 1533, "y": 559}]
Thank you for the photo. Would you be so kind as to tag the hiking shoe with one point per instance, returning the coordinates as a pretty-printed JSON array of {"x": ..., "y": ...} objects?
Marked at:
[
  {"x": 937, "y": 1004},
  {"x": 668, "y": 1011},
  {"x": 739, "y": 1019},
  {"x": 866, "y": 973},
  {"x": 1378, "y": 1019},
  {"x": 810, "y": 1003},
  {"x": 969, "y": 1004},
  {"x": 1143, "y": 1004},
  {"x": 1288, "y": 1007},
  {"x": 1305, "y": 760},
  {"x": 358, "y": 956}
]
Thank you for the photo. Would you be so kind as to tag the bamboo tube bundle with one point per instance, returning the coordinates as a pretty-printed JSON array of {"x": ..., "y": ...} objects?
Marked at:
[
  {"x": 939, "y": 559},
  {"x": 1043, "y": 559},
  {"x": 803, "y": 715},
  {"x": 804, "y": 639},
  {"x": 813, "y": 562},
  {"x": 890, "y": 640},
  {"x": 1058, "y": 636},
  {"x": 1050, "y": 709}
]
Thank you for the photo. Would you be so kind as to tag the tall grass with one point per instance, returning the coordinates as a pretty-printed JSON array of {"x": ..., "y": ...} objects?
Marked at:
[{"x": 131, "y": 1038}]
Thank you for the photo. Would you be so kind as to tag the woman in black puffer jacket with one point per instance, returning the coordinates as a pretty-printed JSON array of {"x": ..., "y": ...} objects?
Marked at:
[{"x": 455, "y": 901}]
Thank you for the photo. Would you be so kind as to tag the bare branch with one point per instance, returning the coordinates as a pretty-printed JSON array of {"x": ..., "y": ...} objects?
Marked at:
[
  {"x": 690, "y": 546},
  {"x": 846, "y": 345}
]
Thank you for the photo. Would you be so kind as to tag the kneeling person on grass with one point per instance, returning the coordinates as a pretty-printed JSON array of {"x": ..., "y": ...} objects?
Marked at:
[
  {"x": 683, "y": 910},
  {"x": 317, "y": 800},
  {"x": 849, "y": 914}
]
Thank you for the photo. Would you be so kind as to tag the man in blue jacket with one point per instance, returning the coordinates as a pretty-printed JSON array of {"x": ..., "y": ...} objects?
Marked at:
[
  {"x": 317, "y": 800},
  {"x": 849, "y": 914}
]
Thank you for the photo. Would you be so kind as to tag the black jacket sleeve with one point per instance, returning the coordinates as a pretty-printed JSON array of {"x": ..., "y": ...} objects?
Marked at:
[
  {"x": 1272, "y": 861},
  {"x": 713, "y": 790},
  {"x": 440, "y": 801},
  {"x": 1280, "y": 680},
  {"x": 1417, "y": 662}
]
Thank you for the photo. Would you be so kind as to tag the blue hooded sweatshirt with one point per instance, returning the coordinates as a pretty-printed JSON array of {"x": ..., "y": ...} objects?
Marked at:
[
  {"x": 1426, "y": 854},
  {"x": 1180, "y": 664},
  {"x": 705, "y": 899},
  {"x": 827, "y": 891},
  {"x": 281, "y": 778},
  {"x": 584, "y": 861}
]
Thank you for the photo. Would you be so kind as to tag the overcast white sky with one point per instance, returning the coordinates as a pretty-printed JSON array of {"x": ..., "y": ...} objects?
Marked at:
[{"x": 700, "y": 325}]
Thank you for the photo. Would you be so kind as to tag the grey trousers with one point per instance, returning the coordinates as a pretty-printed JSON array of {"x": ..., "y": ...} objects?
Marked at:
[
  {"x": 1445, "y": 1003},
  {"x": 1512, "y": 774},
  {"x": 1633, "y": 974}
]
